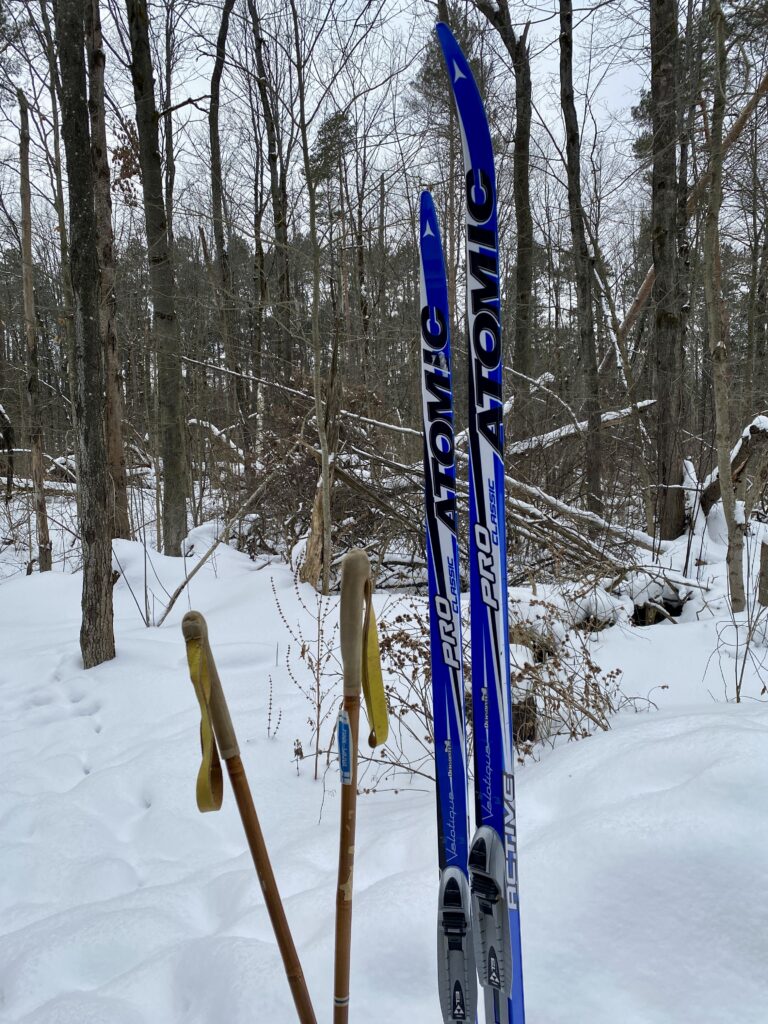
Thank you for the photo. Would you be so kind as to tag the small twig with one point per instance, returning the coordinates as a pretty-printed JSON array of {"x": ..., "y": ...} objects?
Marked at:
[{"x": 192, "y": 101}]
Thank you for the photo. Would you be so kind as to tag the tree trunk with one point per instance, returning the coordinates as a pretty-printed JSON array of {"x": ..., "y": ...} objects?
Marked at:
[
  {"x": 761, "y": 328},
  {"x": 121, "y": 526},
  {"x": 225, "y": 287},
  {"x": 319, "y": 542},
  {"x": 717, "y": 320},
  {"x": 523, "y": 351},
  {"x": 44, "y": 553},
  {"x": 54, "y": 89},
  {"x": 582, "y": 263},
  {"x": 667, "y": 338},
  {"x": 7, "y": 434},
  {"x": 162, "y": 286},
  {"x": 97, "y": 641},
  {"x": 279, "y": 203},
  {"x": 170, "y": 157}
]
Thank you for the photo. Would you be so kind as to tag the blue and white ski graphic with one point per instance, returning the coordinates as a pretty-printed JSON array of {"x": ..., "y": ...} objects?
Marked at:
[
  {"x": 455, "y": 952},
  {"x": 493, "y": 851}
]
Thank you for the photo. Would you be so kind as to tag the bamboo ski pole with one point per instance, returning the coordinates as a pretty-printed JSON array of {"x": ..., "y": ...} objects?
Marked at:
[
  {"x": 355, "y": 573},
  {"x": 217, "y": 731}
]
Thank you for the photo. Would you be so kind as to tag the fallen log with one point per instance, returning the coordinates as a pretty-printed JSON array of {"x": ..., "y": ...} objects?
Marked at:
[{"x": 751, "y": 450}]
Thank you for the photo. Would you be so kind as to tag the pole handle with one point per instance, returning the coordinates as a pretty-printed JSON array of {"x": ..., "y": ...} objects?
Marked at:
[
  {"x": 355, "y": 572},
  {"x": 195, "y": 628}
]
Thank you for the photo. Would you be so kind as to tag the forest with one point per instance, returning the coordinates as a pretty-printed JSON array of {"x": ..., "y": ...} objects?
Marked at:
[
  {"x": 209, "y": 284},
  {"x": 306, "y": 364}
]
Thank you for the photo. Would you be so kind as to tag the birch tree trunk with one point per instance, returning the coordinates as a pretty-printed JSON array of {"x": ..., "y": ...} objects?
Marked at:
[{"x": 44, "y": 554}]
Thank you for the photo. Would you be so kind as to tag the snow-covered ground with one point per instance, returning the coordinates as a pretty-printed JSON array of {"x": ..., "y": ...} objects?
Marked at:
[{"x": 642, "y": 849}]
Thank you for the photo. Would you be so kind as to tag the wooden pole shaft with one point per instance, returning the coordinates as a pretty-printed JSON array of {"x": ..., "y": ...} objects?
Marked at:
[
  {"x": 195, "y": 629},
  {"x": 261, "y": 861},
  {"x": 355, "y": 572},
  {"x": 341, "y": 969}
]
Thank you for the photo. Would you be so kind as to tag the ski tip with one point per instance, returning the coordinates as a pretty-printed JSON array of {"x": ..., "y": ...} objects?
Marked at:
[
  {"x": 427, "y": 213},
  {"x": 428, "y": 226},
  {"x": 447, "y": 39},
  {"x": 455, "y": 60}
]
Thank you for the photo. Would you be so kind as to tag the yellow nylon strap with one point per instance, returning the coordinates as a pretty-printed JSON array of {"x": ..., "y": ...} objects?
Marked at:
[
  {"x": 373, "y": 682},
  {"x": 210, "y": 784}
]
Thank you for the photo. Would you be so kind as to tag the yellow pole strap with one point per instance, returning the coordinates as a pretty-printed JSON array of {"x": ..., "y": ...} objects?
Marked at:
[
  {"x": 373, "y": 682},
  {"x": 210, "y": 784}
]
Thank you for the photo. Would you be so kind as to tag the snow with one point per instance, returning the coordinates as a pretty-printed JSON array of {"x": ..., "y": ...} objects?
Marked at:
[{"x": 642, "y": 849}]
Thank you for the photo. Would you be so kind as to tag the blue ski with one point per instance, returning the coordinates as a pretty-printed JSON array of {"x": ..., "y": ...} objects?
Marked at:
[
  {"x": 455, "y": 952},
  {"x": 493, "y": 851}
]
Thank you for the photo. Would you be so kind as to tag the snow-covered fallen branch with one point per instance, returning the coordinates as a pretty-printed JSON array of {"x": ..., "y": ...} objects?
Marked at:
[
  {"x": 552, "y": 437},
  {"x": 218, "y": 435},
  {"x": 751, "y": 448}
]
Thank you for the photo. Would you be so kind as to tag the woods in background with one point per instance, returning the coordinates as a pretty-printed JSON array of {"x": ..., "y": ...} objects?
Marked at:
[{"x": 208, "y": 275}]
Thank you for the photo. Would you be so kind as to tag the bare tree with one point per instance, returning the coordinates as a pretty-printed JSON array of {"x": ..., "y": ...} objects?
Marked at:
[
  {"x": 278, "y": 191},
  {"x": 581, "y": 257},
  {"x": 225, "y": 285},
  {"x": 717, "y": 320},
  {"x": 30, "y": 329},
  {"x": 121, "y": 526},
  {"x": 97, "y": 642},
  {"x": 162, "y": 283},
  {"x": 667, "y": 336}
]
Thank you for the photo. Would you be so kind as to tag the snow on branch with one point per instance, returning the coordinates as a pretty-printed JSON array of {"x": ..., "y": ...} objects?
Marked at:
[
  {"x": 751, "y": 447},
  {"x": 530, "y": 444},
  {"x": 219, "y": 435}
]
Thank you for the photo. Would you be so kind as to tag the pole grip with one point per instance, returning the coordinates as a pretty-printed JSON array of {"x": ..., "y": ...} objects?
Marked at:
[
  {"x": 355, "y": 572},
  {"x": 194, "y": 627}
]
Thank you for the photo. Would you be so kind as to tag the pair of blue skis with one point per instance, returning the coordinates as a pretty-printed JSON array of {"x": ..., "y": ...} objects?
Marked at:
[{"x": 478, "y": 930}]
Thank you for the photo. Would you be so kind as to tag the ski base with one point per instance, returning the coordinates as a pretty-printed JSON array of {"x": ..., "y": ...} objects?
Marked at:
[
  {"x": 456, "y": 975},
  {"x": 490, "y": 920}
]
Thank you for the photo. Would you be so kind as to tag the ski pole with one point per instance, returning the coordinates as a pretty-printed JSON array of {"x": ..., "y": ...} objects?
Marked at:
[
  {"x": 355, "y": 595},
  {"x": 216, "y": 731}
]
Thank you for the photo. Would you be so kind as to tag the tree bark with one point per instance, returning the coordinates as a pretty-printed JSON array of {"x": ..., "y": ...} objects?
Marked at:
[
  {"x": 7, "y": 434},
  {"x": 97, "y": 642},
  {"x": 319, "y": 550},
  {"x": 717, "y": 320},
  {"x": 225, "y": 287},
  {"x": 170, "y": 156},
  {"x": 54, "y": 91},
  {"x": 582, "y": 263},
  {"x": 277, "y": 186},
  {"x": 44, "y": 552},
  {"x": 667, "y": 337},
  {"x": 162, "y": 285},
  {"x": 121, "y": 526}
]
